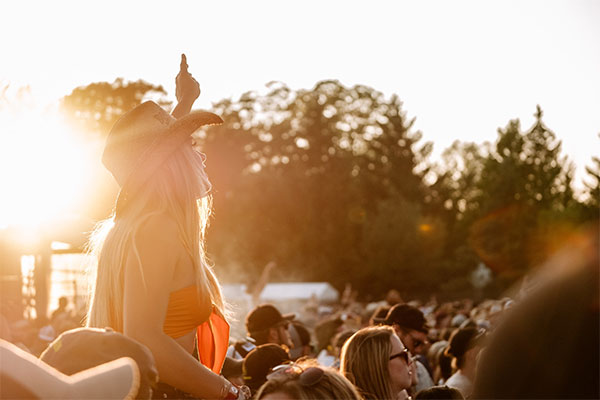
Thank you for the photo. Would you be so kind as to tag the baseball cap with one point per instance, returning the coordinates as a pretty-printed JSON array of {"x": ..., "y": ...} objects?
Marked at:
[
  {"x": 231, "y": 367},
  {"x": 258, "y": 363},
  {"x": 264, "y": 317}
]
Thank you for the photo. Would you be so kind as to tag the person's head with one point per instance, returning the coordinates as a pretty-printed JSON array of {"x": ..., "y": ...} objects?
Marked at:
[
  {"x": 433, "y": 357},
  {"x": 445, "y": 363},
  {"x": 375, "y": 360},
  {"x": 151, "y": 156},
  {"x": 306, "y": 381},
  {"x": 326, "y": 330},
  {"x": 258, "y": 363},
  {"x": 232, "y": 371},
  {"x": 265, "y": 324},
  {"x": 464, "y": 346},
  {"x": 62, "y": 302},
  {"x": 378, "y": 316},
  {"x": 301, "y": 340},
  {"x": 439, "y": 393},
  {"x": 557, "y": 324},
  {"x": 340, "y": 339},
  {"x": 410, "y": 325}
]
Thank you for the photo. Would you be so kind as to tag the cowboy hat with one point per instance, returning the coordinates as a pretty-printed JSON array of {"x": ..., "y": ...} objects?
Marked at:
[
  {"x": 79, "y": 349},
  {"x": 142, "y": 139},
  {"x": 24, "y": 376}
]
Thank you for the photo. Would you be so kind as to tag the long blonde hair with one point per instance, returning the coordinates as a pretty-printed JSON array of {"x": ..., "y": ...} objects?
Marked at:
[
  {"x": 365, "y": 361},
  {"x": 173, "y": 190}
]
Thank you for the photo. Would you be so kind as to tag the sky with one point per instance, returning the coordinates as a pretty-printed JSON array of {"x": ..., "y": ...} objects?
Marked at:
[{"x": 462, "y": 68}]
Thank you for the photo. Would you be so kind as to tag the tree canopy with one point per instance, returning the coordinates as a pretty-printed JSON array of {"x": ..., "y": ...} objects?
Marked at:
[
  {"x": 97, "y": 106},
  {"x": 334, "y": 184}
]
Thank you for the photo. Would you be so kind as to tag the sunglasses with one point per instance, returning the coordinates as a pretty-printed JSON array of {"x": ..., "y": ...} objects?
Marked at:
[
  {"x": 306, "y": 377},
  {"x": 404, "y": 354}
]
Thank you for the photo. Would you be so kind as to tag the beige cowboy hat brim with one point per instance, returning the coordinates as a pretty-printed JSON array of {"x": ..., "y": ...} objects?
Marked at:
[{"x": 118, "y": 379}]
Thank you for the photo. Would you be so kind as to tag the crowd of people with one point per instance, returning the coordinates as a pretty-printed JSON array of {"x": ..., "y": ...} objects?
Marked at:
[
  {"x": 381, "y": 350},
  {"x": 384, "y": 350},
  {"x": 158, "y": 323}
]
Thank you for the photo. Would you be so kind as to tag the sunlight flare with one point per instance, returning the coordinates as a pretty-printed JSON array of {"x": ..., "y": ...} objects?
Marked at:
[{"x": 44, "y": 166}]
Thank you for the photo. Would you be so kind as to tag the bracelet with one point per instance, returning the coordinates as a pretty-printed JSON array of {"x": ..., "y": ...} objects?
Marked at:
[
  {"x": 233, "y": 393},
  {"x": 225, "y": 389}
]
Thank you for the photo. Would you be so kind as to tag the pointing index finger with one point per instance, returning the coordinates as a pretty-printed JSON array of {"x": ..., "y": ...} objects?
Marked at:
[{"x": 183, "y": 66}]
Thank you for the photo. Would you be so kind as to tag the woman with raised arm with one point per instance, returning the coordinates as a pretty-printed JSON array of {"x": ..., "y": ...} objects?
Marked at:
[{"x": 153, "y": 282}]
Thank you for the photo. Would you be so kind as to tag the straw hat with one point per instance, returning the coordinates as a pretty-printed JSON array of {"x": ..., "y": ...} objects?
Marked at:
[
  {"x": 24, "y": 376},
  {"x": 142, "y": 139}
]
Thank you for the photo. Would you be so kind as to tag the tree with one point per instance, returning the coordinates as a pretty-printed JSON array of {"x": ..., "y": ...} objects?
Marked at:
[
  {"x": 302, "y": 175},
  {"x": 592, "y": 191},
  {"x": 524, "y": 185},
  {"x": 97, "y": 106}
]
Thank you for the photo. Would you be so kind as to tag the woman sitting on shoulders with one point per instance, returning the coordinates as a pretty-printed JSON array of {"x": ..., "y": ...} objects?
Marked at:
[{"x": 153, "y": 281}]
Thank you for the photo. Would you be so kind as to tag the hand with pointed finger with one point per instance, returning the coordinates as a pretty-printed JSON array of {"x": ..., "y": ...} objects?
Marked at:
[{"x": 187, "y": 89}]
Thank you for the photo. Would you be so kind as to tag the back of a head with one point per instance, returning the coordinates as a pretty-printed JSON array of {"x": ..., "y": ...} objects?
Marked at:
[
  {"x": 407, "y": 317},
  {"x": 232, "y": 368},
  {"x": 434, "y": 352},
  {"x": 445, "y": 362},
  {"x": 309, "y": 381},
  {"x": 326, "y": 330},
  {"x": 301, "y": 340},
  {"x": 547, "y": 346},
  {"x": 258, "y": 363},
  {"x": 364, "y": 361},
  {"x": 439, "y": 393},
  {"x": 303, "y": 334},
  {"x": 341, "y": 338},
  {"x": 378, "y": 316},
  {"x": 461, "y": 341}
]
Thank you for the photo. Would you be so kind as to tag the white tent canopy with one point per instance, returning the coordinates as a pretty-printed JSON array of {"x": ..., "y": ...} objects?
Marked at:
[
  {"x": 278, "y": 292},
  {"x": 321, "y": 291}
]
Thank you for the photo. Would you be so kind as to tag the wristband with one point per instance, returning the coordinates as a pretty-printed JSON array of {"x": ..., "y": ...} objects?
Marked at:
[
  {"x": 232, "y": 393},
  {"x": 225, "y": 390}
]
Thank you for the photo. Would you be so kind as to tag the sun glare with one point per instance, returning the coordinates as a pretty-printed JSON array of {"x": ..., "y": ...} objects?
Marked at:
[{"x": 43, "y": 168}]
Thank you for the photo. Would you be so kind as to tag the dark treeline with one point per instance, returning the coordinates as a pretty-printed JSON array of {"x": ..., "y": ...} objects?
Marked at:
[{"x": 334, "y": 184}]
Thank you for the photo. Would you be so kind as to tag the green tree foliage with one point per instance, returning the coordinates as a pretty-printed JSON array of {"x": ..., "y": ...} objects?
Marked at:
[
  {"x": 332, "y": 184},
  {"x": 592, "y": 190},
  {"x": 307, "y": 177},
  {"x": 524, "y": 189},
  {"x": 97, "y": 106},
  {"x": 453, "y": 197}
]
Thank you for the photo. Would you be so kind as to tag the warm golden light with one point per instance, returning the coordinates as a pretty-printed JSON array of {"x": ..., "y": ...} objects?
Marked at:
[
  {"x": 425, "y": 228},
  {"x": 43, "y": 168}
]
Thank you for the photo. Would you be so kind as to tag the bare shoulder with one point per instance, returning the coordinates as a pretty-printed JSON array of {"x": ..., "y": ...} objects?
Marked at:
[
  {"x": 158, "y": 229},
  {"x": 157, "y": 238}
]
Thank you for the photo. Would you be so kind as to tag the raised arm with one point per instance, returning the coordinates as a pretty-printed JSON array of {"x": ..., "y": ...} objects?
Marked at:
[{"x": 187, "y": 90}]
